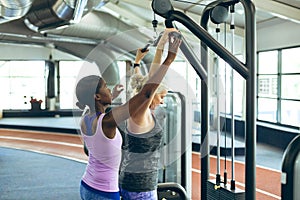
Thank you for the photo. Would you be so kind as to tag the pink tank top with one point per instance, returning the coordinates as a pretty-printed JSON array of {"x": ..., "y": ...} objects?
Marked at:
[{"x": 102, "y": 170}]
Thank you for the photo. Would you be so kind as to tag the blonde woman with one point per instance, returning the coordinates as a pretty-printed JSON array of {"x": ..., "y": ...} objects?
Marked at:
[{"x": 143, "y": 136}]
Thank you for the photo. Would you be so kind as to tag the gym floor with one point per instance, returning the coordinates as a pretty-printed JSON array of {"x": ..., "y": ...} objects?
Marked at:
[{"x": 62, "y": 153}]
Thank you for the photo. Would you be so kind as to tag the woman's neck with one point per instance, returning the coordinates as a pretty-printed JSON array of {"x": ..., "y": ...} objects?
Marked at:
[{"x": 101, "y": 108}]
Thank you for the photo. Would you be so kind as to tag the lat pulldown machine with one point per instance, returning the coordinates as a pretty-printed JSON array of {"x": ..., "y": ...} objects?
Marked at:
[{"x": 165, "y": 9}]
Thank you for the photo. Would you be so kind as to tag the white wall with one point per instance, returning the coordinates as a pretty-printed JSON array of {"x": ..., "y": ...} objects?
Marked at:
[
  {"x": 280, "y": 35},
  {"x": 31, "y": 52}
]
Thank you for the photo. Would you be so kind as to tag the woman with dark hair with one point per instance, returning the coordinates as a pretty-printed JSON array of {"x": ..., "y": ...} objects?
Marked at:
[{"x": 99, "y": 129}]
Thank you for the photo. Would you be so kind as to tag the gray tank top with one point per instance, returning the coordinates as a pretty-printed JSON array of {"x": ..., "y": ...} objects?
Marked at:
[{"x": 140, "y": 162}]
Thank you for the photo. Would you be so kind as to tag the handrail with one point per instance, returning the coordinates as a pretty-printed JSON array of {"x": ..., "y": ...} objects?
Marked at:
[
  {"x": 173, "y": 187},
  {"x": 184, "y": 157},
  {"x": 288, "y": 168}
]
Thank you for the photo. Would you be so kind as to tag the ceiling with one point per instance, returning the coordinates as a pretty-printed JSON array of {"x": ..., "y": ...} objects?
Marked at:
[
  {"x": 103, "y": 19},
  {"x": 267, "y": 11}
]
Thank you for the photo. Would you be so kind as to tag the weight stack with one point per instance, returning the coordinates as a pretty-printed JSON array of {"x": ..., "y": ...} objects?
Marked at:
[{"x": 223, "y": 192}]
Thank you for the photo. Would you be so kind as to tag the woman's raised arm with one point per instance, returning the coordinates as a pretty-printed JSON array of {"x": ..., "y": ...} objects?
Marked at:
[{"x": 141, "y": 101}]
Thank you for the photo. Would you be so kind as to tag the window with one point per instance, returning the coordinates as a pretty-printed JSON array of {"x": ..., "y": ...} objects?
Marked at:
[
  {"x": 290, "y": 86},
  {"x": 72, "y": 71},
  {"x": 268, "y": 62},
  {"x": 267, "y": 86},
  {"x": 290, "y": 60},
  {"x": 21, "y": 80},
  {"x": 290, "y": 112},
  {"x": 267, "y": 109},
  {"x": 68, "y": 73},
  {"x": 278, "y": 85}
]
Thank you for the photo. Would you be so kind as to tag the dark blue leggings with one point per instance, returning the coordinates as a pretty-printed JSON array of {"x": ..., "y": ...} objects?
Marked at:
[
  {"x": 149, "y": 195},
  {"x": 89, "y": 193}
]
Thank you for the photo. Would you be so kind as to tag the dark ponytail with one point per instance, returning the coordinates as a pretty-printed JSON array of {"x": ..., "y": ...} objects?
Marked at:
[{"x": 80, "y": 105}]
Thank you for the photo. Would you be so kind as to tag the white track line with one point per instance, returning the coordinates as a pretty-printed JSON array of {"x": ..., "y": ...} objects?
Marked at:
[
  {"x": 241, "y": 162},
  {"x": 41, "y": 141},
  {"x": 51, "y": 154}
]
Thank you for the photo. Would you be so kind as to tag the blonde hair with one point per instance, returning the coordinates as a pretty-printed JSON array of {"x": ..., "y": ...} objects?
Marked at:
[{"x": 137, "y": 81}]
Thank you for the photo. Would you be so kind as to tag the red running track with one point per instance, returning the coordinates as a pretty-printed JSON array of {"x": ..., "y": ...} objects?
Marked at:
[{"x": 268, "y": 186}]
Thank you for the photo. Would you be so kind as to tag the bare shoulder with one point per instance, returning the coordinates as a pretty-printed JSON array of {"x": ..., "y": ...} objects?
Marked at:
[
  {"x": 141, "y": 123},
  {"x": 109, "y": 125}
]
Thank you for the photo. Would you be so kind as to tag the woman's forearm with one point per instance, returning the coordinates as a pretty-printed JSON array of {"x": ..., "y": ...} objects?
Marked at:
[{"x": 156, "y": 62}]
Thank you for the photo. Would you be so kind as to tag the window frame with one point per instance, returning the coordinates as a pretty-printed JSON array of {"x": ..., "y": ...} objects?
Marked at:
[{"x": 279, "y": 98}]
